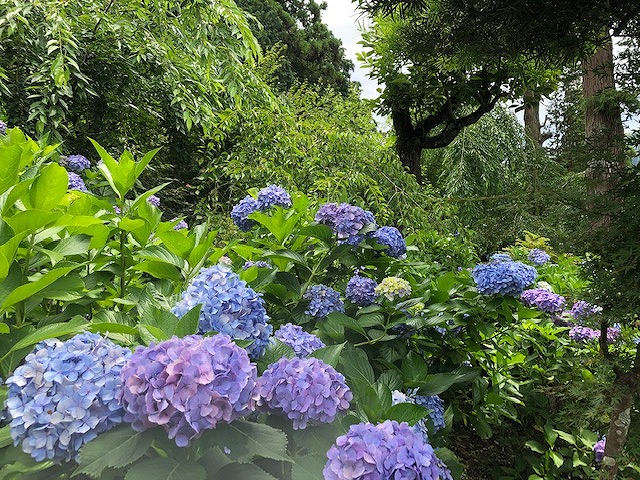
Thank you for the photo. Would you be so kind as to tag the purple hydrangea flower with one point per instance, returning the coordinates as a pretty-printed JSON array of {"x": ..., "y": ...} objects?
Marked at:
[
  {"x": 65, "y": 394},
  {"x": 241, "y": 211},
  {"x": 598, "y": 448},
  {"x": 393, "y": 239},
  {"x": 271, "y": 196},
  {"x": 76, "y": 182},
  {"x": 77, "y": 163},
  {"x": 537, "y": 256},
  {"x": 3, "y": 128},
  {"x": 582, "y": 309},
  {"x": 188, "y": 385},
  {"x": 500, "y": 257},
  {"x": 181, "y": 225},
  {"x": 258, "y": 264},
  {"x": 303, "y": 343},
  {"x": 345, "y": 220},
  {"x": 153, "y": 200},
  {"x": 505, "y": 278},
  {"x": 389, "y": 450},
  {"x": 306, "y": 390},
  {"x": 361, "y": 290},
  {"x": 323, "y": 301},
  {"x": 228, "y": 306},
  {"x": 543, "y": 299},
  {"x": 579, "y": 333}
]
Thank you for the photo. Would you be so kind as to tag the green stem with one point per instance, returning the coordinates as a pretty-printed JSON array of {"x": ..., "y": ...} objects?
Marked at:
[
  {"x": 20, "y": 313},
  {"x": 123, "y": 263}
]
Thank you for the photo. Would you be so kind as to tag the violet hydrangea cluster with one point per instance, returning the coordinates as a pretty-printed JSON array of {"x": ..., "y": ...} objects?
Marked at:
[
  {"x": 187, "y": 385},
  {"x": 76, "y": 182},
  {"x": 241, "y": 211},
  {"x": 181, "y": 225},
  {"x": 389, "y": 450},
  {"x": 323, "y": 300},
  {"x": 76, "y": 163},
  {"x": 361, "y": 290},
  {"x": 582, "y": 309},
  {"x": 580, "y": 333},
  {"x": 229, "y": 306},
  {"x": 537, "y": 256},
  {"x": 305, "y": 390},
  {"x": 65, "y": 394},
  {"x": 544, "y": 300},
  {"x": 598, "y": 449},
  {"x": 393, "y": 240},
  {"x": 504, "y": 277},
  {"x": 153, "y": 200},
  {"x": 3, "y": 128},
  {"x": 303, "y": 343},
  {"x": 345, "y": 220},
  {"x": 271, "y": 196}
]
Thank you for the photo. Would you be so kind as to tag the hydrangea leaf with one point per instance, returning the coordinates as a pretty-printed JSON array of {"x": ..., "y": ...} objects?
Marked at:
[
  {"x": 9, "y": 166},
  {"x": 329, "y": 354},
  {"x": 339, "y": 318},
  {"x": 188, "y": 323},
  {"x": 407, "y": 412},
  {"x": 355, "y": 365},
  {"x": 245, "y": 471},
  {"x": 167, "y": 469},
  {"x": 309, "y": 467},
  {"x": 75, "y": 325},
  {"x": 49, "y": 187}
]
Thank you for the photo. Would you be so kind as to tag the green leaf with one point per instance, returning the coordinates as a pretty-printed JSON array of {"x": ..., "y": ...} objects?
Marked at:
[
  {"x": 274, "y": 352},
  {"x": 535, "y": 446},
  {"x": 150, "y": 334},
  {"x": 110, "y": 327},
  {"x": 558, "y": 459},
  {"x": 25, "y": 291},
  {"x": 309, "y": 467},
  {"x": 158, "y": 269},
  {"x": 166, "y": 469},
  {"x": 407, "y": 412},
  {"x": 340, "y": 319},
  {"x": 74, "y": 245},
  {"x": 240, "y": 471},
  {"x": 49, "y": 187},
  {"x": 356, "y": 366},
  {"x": 75, "y": 325},
  {"x": 414, "y": 370},
  {"x": 31, "y": 220},
  {"x": 116, "y": 448},
  {"x": 160, "y": 253},
  {"x": 66, "y": 288},
  {"x": 279, "y": 222},
  {"x": 130, "y": 224},
  {"x": 437, "y": 383},
  {"x": 329, "y": 354},
  {"x": 5, "y": 436},
  {"x": 9, "y": 166},
  {"x": 188, "y": 323},
  {"x": 321, "y": 232}
]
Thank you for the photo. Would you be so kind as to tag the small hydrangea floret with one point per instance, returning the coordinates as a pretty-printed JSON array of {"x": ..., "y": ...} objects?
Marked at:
[
  {"x": 3, "y": 128},
  {"x": 305, "y": 390},
  {"x": 504, "y": 278},
  {"x": 258, "y": 264},
  {"x": 188, "y": 385},
  {"x": 65, "y": 394},
  {"x": 181, "y": 225},
  {"x": 323, "y": 300},
  {"x": 303, "y": 343},
  {"x": 393, "y": 287},
  {"x": 537, "y": 256},
  {"x": 598, "y": 449},
  {"x": 544, "y": 300},
  {"x": 361, "y": 290}
]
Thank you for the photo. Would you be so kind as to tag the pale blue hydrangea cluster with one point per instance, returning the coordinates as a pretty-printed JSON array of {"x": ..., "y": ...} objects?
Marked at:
[
  {"x": 241, "y": 211},
  {"x": 65, "y": 394},
  {"x": 393, "y": 240},
  {"x": 76, "y": 182},
  {"x": 76, "y": 163},
  {"x": 187, "y": 385},
  {"x": 153, "y": 200},
  {"x": 181, "y": 225},
  {"x": 229, "y": 306},
  {"x": 433, "y": 403},
  {"x": 544, "y": 300},
  {"x": 389, "y": 450},
  {"x": 323, "y": 300},
  {"x": 504, "y": 277},
  {"x": 345, "y": 220},
  {"x": 361, "y": 290},
  {"x": 393, "y": 287},
  {"x": 500, "y": 257},
  {"x": 582, "y": 309},
  {"x": 598, "y": 449},
  {"x": 303, "y": 343},
  {"x": 257, "y": 264},
  {"x": 537, "y": 256},
  {"x": 271, "y": 196},
  {"x": 305, "y": 390},
  {"x": 3, "y": 128}
]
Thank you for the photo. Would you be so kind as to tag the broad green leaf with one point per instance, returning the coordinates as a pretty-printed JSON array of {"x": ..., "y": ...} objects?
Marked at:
[
  {"x": 158, "y": 468},
  {"x": 535, "y": 446},
  {"x": 150, "y": 334},
  {"x": 407, "y": 412},
  {"x": 49, "y": 187},
  {"x": 4, "y": 328},
  {"x": 279, "y": 222},
  {"x": 188, "y": 323},
  {"x": 25, "y": 291},
  {"x": 309, "y": 467},
  {"x": 159, "y": 253},
  {"x": 355, "y": 365},
  {"x": 30, "y": 221},
  {"x": 321, "y": 232},
  {"x": 176, "y": 242},
  {"x": 414, "y": 370},
  {"x": 110, "y": 327},
  {"x": 437, "y": 383},
  {"x": 142, "y": 164},
  {"x": 338, "y": 318},
  {"x": 5, "y": 436},
  {"x": 392, "y": 379},
  {"x": 158, "y": 269},
  {"x": 9, "y": 166},
  {"x": 329, "y": 354},
  {"x": 240, "y": 471},
  {"x": 4, "y": 266},
  {"x": 75, "y": 325},
  {"x": 74, "y": 245},
  {"x": 130, "y": 224},
  {"x": 68, "y": 288}
]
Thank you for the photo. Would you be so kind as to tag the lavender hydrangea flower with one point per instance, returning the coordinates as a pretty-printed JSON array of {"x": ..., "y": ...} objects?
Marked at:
[
  {"x": 393, "y": 287},
  {"x": 258, "y": 264},
  {"x": 306, "y": 390},
  {"x": 582, "y": 309},
  {"x": 3, "y": 128},
  {"x": 303, "y": 343},
  {"x": 579, "y": 333},
  {"x": 188, "y": 385},
  {"x": 228, "y": 306},
  {"x": 77, "y": 163},
  {"x": 76, "y": 182},
  {"x": 393, "y": 239},
  {"x": 500, "y": 257},
  {"x": 599, "y": 447},
  {"x": 345, "y": 220},
  {"x": 537, "y": 256},
  {"x": 65, "y": 394},
  {"x": 389, "y": 450},
  {"x": 241, "y": 211},
  {"x": 153, "y": 200},
  {"x": 361, "y": 290},
  {"x": 505, "y": 278},
  {"x": 545, "y": 300},
  {"x": 181, "y": 225},
  {"x": 271, "y": 196},
  {"x": 323, "y": 301}
]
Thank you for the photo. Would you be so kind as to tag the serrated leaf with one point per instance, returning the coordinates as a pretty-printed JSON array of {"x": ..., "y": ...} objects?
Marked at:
[
  {"x": 188, "y": 323},
  {"x": 356, "y": 366},
  {"x": 407, "y": 412},
  {"x": 240, "y": 471},
  {"x": 308, "y": 467},
  {"x": 159, "y": 468},
  {"x": 329, "y": 354},
  {"x": 75, "y": 325}
]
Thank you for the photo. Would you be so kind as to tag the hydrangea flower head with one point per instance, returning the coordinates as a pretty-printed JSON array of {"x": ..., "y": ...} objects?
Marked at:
[
  {"x": 537, "y": 256},
  {"x": 258, "y": 264},
  {"x": 77, "y": 163},
  {"x": 323, "y": 301},
  {"x": 305, "y": 390},
  {"x": 188, "y": 385},
  {"x": 241, "y": 211},
  {"x": 393, "y": 239},
  {"x": 505, "y": 278},
  {"x": 389, "y": 450},
  {"x": 598, "y": 448},
  {"x": 181, "y": 225},
  {"x": 76, "y": 182},
  {"x": 361, "y": 290},
  {"x": 415, "y": 309},
  {"x": 65, "y": 394},
  {"x": 3, "y": 128},
  {"x": 229, "y": 306},
  {"x": 153, "y": 200},
  {"x": 579, "y": 333},
  {"x": 393, "y": 287},
  {"x": 345, "y": 220},
  {"x": 545, "y": 300},
  {"x": 500, "y": 257},
  {"x": 582, "y": 309},
  {"x": 303, "y": 343},
  {"x": 271, "y": 196}
]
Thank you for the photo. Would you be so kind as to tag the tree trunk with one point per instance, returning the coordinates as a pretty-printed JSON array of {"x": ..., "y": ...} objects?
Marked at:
[
  {"x": 408, "y": 144},
  {"x": 532, "y": 117}
]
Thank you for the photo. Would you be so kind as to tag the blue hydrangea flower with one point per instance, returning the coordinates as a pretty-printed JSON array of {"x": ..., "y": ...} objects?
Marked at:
[
  {"x": 3, "y": 128},
  {"x": 181, "y": 225},
  {"x": 77, "y": 163},
  {"x": 153, "y": 200},
  {"x": 241, "y": 211},
  {"x": 545, "y": 300},
  {"x": 271, "y": 196},
  {"x": 229, "y": 306},
  {"x": 188, "y": 385},
  {"x": 537, "y": 256},
  {"x": 393, "y": 239},
  {"x": 305, "y": 390},
  {"x": 505, "y": 278},
  {"x": 303, "y": 343},
  {"x": 65, "y": 394},
  {"x": 257, "y": 264},
  {"x": 389, "y": 450},
  {"x": 76, "y": 182},
  {"x": 599, "y": 447},
  {"x": 582, "y": 309},
  {"x": 500, "y": 257},
  {"x": 345, "y": 220},
  {"x": 361, "y": 290},
  {"x": 323, "y": 301}
]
